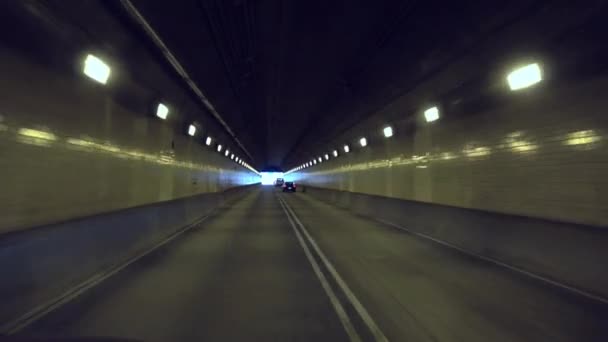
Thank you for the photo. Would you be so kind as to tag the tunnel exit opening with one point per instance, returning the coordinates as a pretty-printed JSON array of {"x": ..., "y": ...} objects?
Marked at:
[{"x": 268, "y": 178}]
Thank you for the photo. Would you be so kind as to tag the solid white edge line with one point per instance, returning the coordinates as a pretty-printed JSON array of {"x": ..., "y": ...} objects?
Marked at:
[
  {"x": 365, "y": 316},
  {"x": 499, "y": 263},
  {"x": 335, "y": 302},
  {"x": 42, "y": 310}
]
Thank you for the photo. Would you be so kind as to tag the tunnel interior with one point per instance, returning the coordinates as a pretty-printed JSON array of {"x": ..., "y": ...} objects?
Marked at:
[{"x": 448, "y": 162}]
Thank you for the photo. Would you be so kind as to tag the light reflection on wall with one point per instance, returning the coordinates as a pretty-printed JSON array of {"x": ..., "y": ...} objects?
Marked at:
[
  {"x": 35, "y": 137},
  {"x": 447, "y": 156},
  {"x": 585, "y": 137},
  {"x": 474, "y": 151},
  {"x": 44, "y": 138},
  {"x": 518, "y": 142}
]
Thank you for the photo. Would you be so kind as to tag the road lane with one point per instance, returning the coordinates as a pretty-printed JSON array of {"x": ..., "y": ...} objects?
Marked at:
[
  {"x": 241, "y": 276},
  {"x": 417, "y": 290}
]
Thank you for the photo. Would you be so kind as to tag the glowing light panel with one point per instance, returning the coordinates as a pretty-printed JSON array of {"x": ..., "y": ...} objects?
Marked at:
[
  {"x": 388, "y": 131},
  {"x": 431, "y": 114},
  {"x": 96, "y": 69},
  {"x": 191, "y": 130},
  {"x": 162, "y": 111},
  {"x": 525, "y": 76}
]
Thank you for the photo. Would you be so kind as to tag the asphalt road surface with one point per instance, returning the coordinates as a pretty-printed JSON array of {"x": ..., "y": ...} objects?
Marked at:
[{"x": 284, "y": 267}]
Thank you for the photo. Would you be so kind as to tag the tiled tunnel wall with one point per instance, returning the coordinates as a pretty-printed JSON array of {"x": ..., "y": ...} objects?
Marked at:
[
  {"x": 69, "y": 149},
  {"x": 523, "y": 182},
  {"x": 544, "y": 156},
  {"x": 540, "y": 152}
]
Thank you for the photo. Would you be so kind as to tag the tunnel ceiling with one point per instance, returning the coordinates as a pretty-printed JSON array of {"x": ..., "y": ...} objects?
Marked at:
[{"x": 289, "y": 75}]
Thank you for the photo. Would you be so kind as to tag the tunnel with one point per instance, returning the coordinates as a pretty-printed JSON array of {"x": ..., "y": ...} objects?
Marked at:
[{"x": 240, "y": 170}]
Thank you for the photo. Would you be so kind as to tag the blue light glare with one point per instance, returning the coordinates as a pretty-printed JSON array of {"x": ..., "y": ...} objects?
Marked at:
[{"x": 268, "y": 178}]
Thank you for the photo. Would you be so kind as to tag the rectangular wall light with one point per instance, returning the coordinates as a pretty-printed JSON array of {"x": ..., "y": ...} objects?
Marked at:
[
  {"x": 431, "y": 114},
  {"x": 388, "y": 131},
  {"x": 525, "y": 76},
  {"x": 96, "y": 69},
  {"x": 162, "y": 111},
  {"x": 191, "y": 130}
]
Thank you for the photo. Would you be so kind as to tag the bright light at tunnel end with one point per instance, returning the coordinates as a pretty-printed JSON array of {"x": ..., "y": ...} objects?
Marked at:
[
  {"x": 524, "y": 77},
  {"x": 96, "y": 69},
  {"x": 268, "y": 178}
]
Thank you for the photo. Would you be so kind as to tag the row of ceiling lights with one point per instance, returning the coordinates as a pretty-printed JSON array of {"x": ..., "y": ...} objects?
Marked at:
[
  {"x": 99, "y": 71},
  {"x": 519, "y": 78}
]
